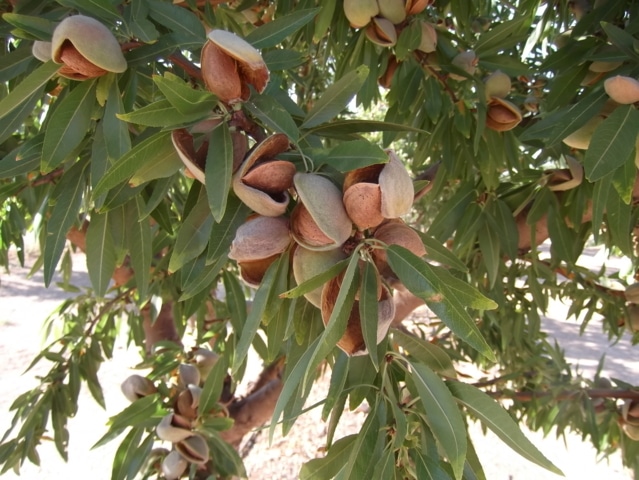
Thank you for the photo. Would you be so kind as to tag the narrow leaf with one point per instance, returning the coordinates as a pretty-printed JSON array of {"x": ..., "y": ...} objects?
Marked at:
[
  {"x": 68, "y": 125},
  {"x": 356, "y": 154},
  {"x": 254, "y": 317},
  {"x": 151, "y": 149},
  {"x": 493, "y": 416},
  {"x": 68, "y": 198},
  {"x": 273, "y": 115},
  {"x": 160, "y": 114},
  {"x": 336, "y": 97},
  {"x": 425, "y": 352},
  {"x": 213, "y": 385},
  {"x": 31, "y": 85},
  {"x": 272, "y": 33},
  {"x": 442, "y": 415},
  {"x": 446, "y": 295},
  {"x": 125, "y": 454},
  {"x": 101, "y": 254},
  {"x": 182, "y": 96},
  {"x": 612, "y": 143},
  {"x": 218, "y": 170},
  {"x": 368, "y": 310},
  {"x": 193, "y": 235}
]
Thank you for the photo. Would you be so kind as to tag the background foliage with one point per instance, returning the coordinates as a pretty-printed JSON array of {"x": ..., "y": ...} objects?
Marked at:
[{"x": 91, "y": 165}]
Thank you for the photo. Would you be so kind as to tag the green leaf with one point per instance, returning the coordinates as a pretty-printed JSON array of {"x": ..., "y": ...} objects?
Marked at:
[
  {"x": 564, "y": 240},
  {"x": 219, "y": 170},
  {"x": 180, "y": 20},
  {"x": 68, "y": 125},
  {"x": 68, "y": 198},
  {"x": 425, "y": 352},
  {"x": 273, "y": 115},
  {"x": 15, "y": 63},
  {"x": 37, "y": 27},
  {"x": 102, "y": 9},
  {"x": 328, "y": 467},
  {"x": 32, "y": 85},
  {"x": 449, "y": 215},
  {"x": 493, "y": 416},
  {"x": 213, "y": 385},
  {"x": 228, "y": 461},
  {"x": 489, "y": 245},
  {"x": 160, "y": 114},
  {"x": 442, "y": 415},
  {"x": 11, "y": 123},
  {"x": 565, "y": 85},
  {"x": 317, "y": 281},
  {"x": 165, "y": 166},
  {"x": 116, "y": 132},
  {"x": 283, "y": 59},
  {"x": 193, "y": 235},
  {"x": 439, "y": 253},
  {"x": 619, "y": 221},
  {"x": 361, "y": 456},
  {"x": 621, "y": 39},
  {"x": 152, "y": 149},
  {"x": 336, "y": 325},
  {"x": 183, "y": 97},
  {"x": 341, "y": 127},
  {"x": 577, "y": 116},
  {"x": 125, "y": 454},
  {"x": 146, "y": 411},
  {"x": 446, "y": 295},
  {"x": 254, "y": 317},
  {"x": 100, "y": 252},
  {"x": 204, "y": 279},
  {"x": 272, "y": 33},
  {"x": 139, "y": 241},
  {"x": 223, "y": 232},
  {"x": 22, "y": 159},
  {"x": 336, "y": 97},
  {"x": 612, "y": 143},
  {"x": 368, "y": 311},
  {"x": 356, "y": 154},
  {"x": 503, "y": 35}
]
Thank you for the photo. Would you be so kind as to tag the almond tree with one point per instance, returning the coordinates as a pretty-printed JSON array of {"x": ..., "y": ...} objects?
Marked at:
[{"x": 296, "y": 177}]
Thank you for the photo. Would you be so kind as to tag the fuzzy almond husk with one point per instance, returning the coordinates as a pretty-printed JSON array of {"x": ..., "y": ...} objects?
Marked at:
[
  {"x": 260, "y": 237},
  {"x": 580, "y": 138},
  {"x": 230, "y": 64},
  {"x": 413, "y": 7},
  {"x": 136, "y": 387},
  {"x": 310, "y": 263},
  {"x": 173, "y": 428},
  {"x": 267, "y": 195},
  {"x": 502, "y": 115},
  {"x": 360, "y": 12},
  {"x": 467, "y": 61},
  {"x": 194, "y": 449},
  {"x": 393, "y": 10},
  {"x": 352, "y": 342},
  {"x": 86, "y": 47},
  {"x": 174, "y": 465},
  {"x": 367, "y": 205},
  {"x": 194, "y": 160},
  {"x": 382, "y": 32},
  {"x": 497, "y": 84},
  {"x": 41, "y": 50},
  {"x": 623, "y": 90},
  {"x": 428, "y": 43},
  {"x": 319, "y": 220},
  {"x": 395, "y": 232}
]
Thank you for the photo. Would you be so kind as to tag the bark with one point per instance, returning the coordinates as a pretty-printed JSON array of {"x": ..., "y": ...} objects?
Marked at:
[
  {"x": 162, "y": 328},
  {"x": 257, "y": 407}
]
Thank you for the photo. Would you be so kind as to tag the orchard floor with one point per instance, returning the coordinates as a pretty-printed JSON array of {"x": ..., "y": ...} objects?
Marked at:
[{"x": 25, "y": 303}]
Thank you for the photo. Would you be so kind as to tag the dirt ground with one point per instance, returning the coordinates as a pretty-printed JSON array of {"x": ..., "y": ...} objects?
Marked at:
[{"x": 25, "y": 303}]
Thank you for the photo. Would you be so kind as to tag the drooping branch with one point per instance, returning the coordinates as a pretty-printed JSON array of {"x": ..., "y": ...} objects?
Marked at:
[{"x": 567, "y": 394}]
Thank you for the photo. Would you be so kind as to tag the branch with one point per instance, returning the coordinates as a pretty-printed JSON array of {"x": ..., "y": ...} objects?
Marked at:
[
  {"x": 257, "y": 408},
  {"x": 568, "y": 394}
]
